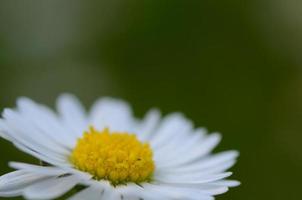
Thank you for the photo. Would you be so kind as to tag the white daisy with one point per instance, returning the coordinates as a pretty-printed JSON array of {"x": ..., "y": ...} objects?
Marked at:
[{"x": 112, "y": 154}]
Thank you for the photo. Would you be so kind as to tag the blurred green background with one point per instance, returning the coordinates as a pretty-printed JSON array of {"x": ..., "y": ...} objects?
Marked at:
[{"x": 234, "y": 66}]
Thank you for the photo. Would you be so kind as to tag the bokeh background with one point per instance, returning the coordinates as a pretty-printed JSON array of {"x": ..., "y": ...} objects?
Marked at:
[{"x": 233, "y": 66}]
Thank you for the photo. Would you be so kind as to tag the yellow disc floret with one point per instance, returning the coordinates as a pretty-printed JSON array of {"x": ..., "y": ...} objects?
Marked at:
[{"x": 113, "y": 156}]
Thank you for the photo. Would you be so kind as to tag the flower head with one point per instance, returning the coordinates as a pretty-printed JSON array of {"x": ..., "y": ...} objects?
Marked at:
[{"x": 111, "y": 153}]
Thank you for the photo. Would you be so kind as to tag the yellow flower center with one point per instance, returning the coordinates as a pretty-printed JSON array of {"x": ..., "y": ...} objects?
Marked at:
[{"x": 113, "y": 156}]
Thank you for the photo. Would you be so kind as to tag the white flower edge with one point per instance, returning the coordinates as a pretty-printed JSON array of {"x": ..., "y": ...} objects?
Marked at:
[{"x": 185, "y": 167}]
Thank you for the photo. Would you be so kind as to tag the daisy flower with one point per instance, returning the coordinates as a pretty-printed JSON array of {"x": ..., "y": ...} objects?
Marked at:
[{"x": 111, "y": 154}]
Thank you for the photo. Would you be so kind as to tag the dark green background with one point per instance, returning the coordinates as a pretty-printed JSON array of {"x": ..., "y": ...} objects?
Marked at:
[{"x": 233, "y": 66}]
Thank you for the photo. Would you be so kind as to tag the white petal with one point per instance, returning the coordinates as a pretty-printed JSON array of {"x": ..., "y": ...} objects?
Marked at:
[
  {"x": 111, "y": 194},
  {"x": 39, "y": 170},
  {"x": 209, "y": 189},
  {"x": 228, "y": 183},
  {"x": 198, "y": 170},
  {"x": 50, "y": 188},
  {"x": 90, "y": 193},
  {"x": 172, "y": 126},
  {"x": 113, "y": 114},
  {"x": 11, "y": 193},
  {"x": 97, "y": 190},
  {"x": 179, "y": 146},
  {"x": 13, "y": 183},
  {"x": 3, "y": 134},
  {"x": 148, "y": 124},
  {"x": 81, "y": 175},
  {"x": 42, "y": 157},
  {"x": 178, "y": 192},
  {"x": 40, "y": 152},
  {"x": 133, "y": 191},
  {"x": 21, "y": 130},
  {"x": 196, "y": 152},
  {"x": 222, "y": 159},
  {"x": 168, "y": 178},
  {"x": 73, "y": 114},
  {"x": 46, "y": 121}
]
